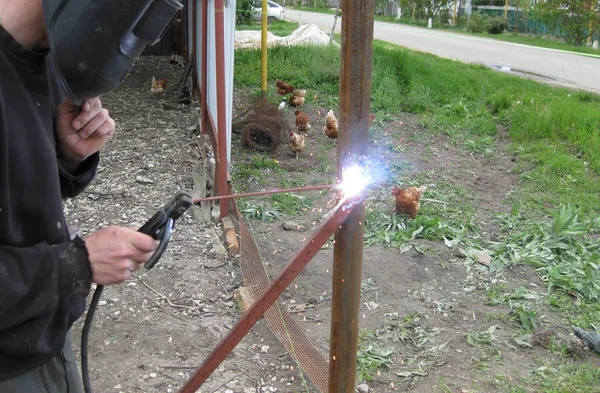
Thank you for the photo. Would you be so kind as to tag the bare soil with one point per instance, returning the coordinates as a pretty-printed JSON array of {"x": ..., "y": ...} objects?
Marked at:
[{"x": 153, "y": 331}]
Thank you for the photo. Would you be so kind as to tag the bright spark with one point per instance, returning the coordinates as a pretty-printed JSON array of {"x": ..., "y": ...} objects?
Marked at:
[{"x": 354, "y": 181}]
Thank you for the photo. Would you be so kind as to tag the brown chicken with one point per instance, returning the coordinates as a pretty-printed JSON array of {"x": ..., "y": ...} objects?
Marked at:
[
  {"x": 283, "y": 88},
  {"x": 331, "y": 125},
  {"x": 296, "y": 143},
  {"x": 158, "y": 85},
  {"x": 407, "y": 201},
  {"x": 302, "y": 121},
  {"x": 297, "y": 99}
]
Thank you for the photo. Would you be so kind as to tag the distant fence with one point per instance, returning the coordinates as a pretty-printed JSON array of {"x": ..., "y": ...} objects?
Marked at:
[{"x": 519, "y": 21}]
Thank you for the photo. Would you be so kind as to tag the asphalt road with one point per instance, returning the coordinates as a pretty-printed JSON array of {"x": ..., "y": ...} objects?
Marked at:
[{"x": 548, "y": 65}]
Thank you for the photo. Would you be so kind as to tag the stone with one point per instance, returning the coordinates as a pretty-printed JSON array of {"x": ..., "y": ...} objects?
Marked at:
[
  {"x": 243, "y": 298},
  {"x": 362, "y": 388},
  {"x": 144, "y": 180},
  {"x": 292, "y": 226}
]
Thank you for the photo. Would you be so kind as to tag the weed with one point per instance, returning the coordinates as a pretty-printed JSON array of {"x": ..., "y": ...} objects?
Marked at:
[
  {"x": 577, "y": 378},
  {"x": 371, "y": 357},
  {"x": 259, "y": 212},
  {"x": 290, "y": 204},
  {"x": 367, "y": 285},
  {"x": 479, "y": 338},
  {"x": 560, "y": 252}
]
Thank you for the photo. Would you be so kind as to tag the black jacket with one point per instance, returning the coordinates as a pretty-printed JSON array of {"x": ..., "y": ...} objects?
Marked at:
[{"x": 44, "y": 277}]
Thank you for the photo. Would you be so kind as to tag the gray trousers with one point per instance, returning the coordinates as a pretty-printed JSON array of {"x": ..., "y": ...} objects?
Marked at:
[{"x": 59, "y": 375}]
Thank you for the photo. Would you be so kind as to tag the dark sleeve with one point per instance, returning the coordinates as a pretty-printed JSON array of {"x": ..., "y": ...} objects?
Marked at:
[
  {"x": 72, "y": 184},
  {"x": 34, "y": 280}
]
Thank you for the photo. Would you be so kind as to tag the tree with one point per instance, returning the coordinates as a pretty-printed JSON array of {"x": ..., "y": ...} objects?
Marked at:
[
  {"x": 432, "y": 7},
  {"x": 574, "y": 19}
]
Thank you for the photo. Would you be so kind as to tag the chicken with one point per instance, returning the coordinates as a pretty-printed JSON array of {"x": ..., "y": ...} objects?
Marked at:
[
  {"x": 296, "y": 143},
  {"x": 297, "y": 99},
  {"x": 302, "y": 121},
  {"x": 407, "y": 201},
  {"x": 283, "y": 88},
  {"x": 331, "y": 125},
  {"x": 158, "y": 85}
]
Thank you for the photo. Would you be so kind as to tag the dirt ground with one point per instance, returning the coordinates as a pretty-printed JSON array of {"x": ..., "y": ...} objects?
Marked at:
[{"x": 152, "y": 332}]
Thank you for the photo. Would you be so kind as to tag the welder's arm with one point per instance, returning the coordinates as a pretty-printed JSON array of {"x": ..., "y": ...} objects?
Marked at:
[
  {"x": 75, "y": 178},
  {"x": 34, "y": 280}
]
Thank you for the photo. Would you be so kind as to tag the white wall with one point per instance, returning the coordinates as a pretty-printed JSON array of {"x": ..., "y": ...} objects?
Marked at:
[{"x": 211, "y": 94}]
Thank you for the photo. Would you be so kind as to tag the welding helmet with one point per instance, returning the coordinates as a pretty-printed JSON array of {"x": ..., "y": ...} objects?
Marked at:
[{"x": 95, "y": 43}]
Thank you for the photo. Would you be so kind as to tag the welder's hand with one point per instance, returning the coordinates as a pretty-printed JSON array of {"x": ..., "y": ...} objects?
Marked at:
[
  {"x": 116, "y": 252},
  {"x": 82, "y": 133}
]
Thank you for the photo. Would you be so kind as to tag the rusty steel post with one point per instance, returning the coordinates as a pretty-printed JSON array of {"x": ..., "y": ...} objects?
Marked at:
[
  {"x": 354, "y": 110},
  {"x": 340, "y": 214},
  {"x": 204, "y": 65},
  {"x": 222, "y": 164}
]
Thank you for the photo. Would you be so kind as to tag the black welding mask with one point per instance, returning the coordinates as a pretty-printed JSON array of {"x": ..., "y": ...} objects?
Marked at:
[{"x": 95, "y": 43}]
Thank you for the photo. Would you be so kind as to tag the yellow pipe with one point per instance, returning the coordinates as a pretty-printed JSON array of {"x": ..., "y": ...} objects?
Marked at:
[
  {"x": 589, "y": 40},
  {"x": 454, "y": 16},
  {"x": 263, "y": 46},
  {"x": 506, "y": 10}
]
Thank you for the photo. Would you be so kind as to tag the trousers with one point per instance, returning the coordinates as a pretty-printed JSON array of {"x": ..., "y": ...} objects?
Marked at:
[{"x": 59, "y": 375}]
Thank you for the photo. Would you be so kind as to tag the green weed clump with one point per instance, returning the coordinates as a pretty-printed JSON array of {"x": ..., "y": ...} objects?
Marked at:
[{"x": 562, "y": 251}]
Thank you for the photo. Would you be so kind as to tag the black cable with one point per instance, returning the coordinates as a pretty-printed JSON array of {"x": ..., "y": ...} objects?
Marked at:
[{"x": 85, "y": 372}]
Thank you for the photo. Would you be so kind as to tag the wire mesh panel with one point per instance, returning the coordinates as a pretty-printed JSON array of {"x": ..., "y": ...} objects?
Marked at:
[{"x": 282, "y": 324}]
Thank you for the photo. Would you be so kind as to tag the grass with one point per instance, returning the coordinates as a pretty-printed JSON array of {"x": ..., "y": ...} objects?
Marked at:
[
  {"x": 556, "y": 130},
  {"x": 553, "y": 225},
  {"x": 566, "y": 378}
]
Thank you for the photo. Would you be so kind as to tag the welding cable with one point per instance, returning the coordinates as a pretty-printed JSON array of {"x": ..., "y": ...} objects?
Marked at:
[{"x": 85, "y": 372}]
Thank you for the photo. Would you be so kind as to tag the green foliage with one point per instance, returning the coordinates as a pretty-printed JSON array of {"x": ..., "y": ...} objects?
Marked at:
[
  {"x": 259, "y": 212},
  {"x": 291, "y": 204},
  {"x": 243, "y": 11},
  {"x": 496, "y": 25},
  {"x": 371, "y": 357},
  {"x": 575, "y": 19},
  {"x": 254, "y": 171},
  {"x": 573, "y": 378},
  {"x": 479, "y": 338},
  {"x": 561, "y": 252},
  {"x": 478, "y": 22}
]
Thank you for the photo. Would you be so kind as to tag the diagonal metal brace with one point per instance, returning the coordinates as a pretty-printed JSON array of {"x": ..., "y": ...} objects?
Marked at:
[{"x": 278, "y": 285}]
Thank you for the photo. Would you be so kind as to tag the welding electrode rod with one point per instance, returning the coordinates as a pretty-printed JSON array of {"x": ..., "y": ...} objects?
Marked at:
[{"x": 309, "y": 188}]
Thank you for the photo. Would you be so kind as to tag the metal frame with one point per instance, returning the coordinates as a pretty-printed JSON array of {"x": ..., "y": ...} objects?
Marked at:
[{"x": 345, "y": 221}]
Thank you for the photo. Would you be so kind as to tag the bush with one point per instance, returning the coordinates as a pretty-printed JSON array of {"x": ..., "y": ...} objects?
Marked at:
[
  {"x": 497, "y": 25},
  {"x": 445, "y": 17},
  {"x": 478, "y": 23},
  {"x": 243, "y": 11}
]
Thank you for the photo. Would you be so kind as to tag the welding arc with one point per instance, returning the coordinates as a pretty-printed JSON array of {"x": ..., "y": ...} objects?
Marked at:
[{"x": 231, "y": 196}]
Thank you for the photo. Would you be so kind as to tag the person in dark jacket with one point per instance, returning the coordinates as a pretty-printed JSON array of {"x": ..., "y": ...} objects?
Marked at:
[{"x": 48, "y": 151}]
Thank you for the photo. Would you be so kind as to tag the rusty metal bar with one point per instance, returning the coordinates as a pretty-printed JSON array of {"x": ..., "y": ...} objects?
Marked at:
[
  {"x": 258, "y": 193},
  {"x": 354, "y": 110},
  {"x": 222, "y": 165},
  {"x": 341, "y": 213},
  {"x": 204, "y": 65}
]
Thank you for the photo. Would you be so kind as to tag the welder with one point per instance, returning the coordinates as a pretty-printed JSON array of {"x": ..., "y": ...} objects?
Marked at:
[{"x": 57, "y": 58}]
